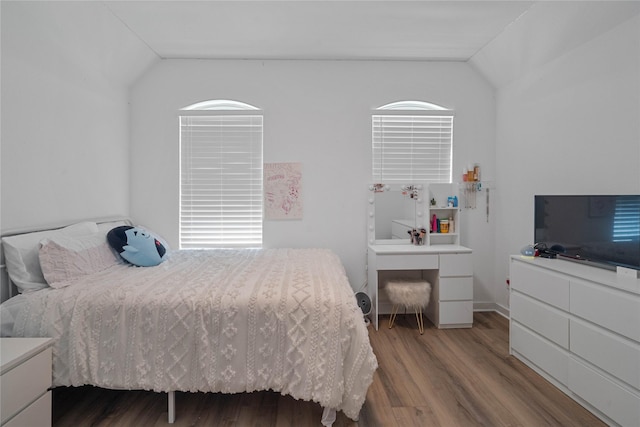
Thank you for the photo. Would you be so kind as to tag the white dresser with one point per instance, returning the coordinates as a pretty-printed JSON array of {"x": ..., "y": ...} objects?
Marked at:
[
  {"x": 25, "y": 379},
  {"x": 579, "y": 327},
  {"x": 447, "y": 267}
]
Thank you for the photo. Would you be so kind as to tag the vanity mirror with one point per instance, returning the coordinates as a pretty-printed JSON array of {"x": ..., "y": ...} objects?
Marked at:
[{"x": 393, "y": 211}]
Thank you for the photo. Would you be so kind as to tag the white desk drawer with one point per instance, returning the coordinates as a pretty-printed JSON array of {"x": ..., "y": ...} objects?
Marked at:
[
  {"x": 611, "y": 353},
  {"x": 456, "y": 313},
  {"x": 456, "y": 288},
  {"x": 38, "y": 414},
  {"x": 407, "y": 262},
  {"x": 540, "y": 284},
  {"x": 548, "y": 357},
  {"x": 614, "y": 401},
  {"x": 25, "y": 383},
  {"x": 613, "y": 309},
  {"x": 456, "y": 265},
  {"x": 551, "y": 323}
]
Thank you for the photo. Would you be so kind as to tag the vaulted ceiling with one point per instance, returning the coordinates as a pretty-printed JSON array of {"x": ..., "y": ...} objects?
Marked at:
[
  {"x": 381, "y": 30},
  {"x": 120, "y": 40}
]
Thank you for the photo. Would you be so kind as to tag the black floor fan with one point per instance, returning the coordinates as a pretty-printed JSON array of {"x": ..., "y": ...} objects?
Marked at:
[{"x": 364, "y": 302}]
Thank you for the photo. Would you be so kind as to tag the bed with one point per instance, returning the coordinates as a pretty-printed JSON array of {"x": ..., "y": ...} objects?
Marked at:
[{"x": 213, "y": 321}]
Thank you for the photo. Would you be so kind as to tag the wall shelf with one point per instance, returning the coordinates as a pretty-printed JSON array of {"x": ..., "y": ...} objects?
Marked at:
[{"x": 441, "y": 194}]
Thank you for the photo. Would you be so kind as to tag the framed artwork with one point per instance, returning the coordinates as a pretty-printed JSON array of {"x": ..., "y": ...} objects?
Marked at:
[{"x": 283, "y": 190}]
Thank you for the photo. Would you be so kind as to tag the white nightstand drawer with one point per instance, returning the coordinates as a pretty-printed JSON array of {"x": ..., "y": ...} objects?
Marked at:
[
  {"x": 456, "y": 288},
  {"x": 25, "y": 383},
  {"x": 36, "y": 415}
]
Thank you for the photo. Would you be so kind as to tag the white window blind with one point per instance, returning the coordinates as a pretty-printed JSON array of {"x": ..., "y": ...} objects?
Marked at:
[
  {"x": 221, "y": 180},
  {"x": 412, "y": 147},
  {"x": 626, "y": 223}
]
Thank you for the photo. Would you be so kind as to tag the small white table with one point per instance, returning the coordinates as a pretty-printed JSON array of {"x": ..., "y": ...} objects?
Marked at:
[
  {"x": 448, "y": 268},
  {"x": 25, "y": 379}
]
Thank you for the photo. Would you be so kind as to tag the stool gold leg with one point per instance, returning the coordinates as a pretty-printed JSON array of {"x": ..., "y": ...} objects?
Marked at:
[
  {"x": 420, "y": 320},
  {"x": 394, "y": 312}
]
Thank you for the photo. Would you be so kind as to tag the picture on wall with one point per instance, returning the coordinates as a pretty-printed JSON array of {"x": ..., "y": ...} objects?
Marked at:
[{"x": 283, "y": 190}]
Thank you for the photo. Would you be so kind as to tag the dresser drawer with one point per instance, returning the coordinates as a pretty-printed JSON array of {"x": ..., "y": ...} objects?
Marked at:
[
  {"x": 610, "y": 308},
  {"x": 611, "y": 353},
  {"x": 456, "y": 265},
  {"x": 544, "y": 285},
  {"x": 551, "y": 323},
  {"x": 547, "y": 356},
  {"x": 38, "y": 414},
  {"x": 407, "y": 262},
  {"x": 616, "y": 402},
  {"x": 26, "y": 382},
  {"x": 456, "y": 288}
]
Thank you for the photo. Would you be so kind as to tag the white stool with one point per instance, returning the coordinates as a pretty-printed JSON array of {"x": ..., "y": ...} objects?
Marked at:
[{"x": 410, "y": 294}]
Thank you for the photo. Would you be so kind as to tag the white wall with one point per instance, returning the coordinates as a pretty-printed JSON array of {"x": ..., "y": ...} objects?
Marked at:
[
  {"x": 316, "y": 113},
  {"x": 565, "y": 120},
  {"x": 65, "y": 116},
  {"x": 567, "y": 125}
]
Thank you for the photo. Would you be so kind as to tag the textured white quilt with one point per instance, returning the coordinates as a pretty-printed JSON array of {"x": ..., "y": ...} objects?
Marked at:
[{"x": 223, "y": 321}]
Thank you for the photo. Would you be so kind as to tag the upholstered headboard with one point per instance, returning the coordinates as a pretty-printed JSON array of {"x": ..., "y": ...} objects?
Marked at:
[{"x": 7, "y": 288}]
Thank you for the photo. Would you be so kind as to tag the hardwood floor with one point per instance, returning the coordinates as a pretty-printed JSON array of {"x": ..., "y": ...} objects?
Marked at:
[{"x": 456, "y": 377}]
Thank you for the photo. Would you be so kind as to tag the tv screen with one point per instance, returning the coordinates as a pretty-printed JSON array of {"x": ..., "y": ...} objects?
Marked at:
[{"x": 599, "y": 229}]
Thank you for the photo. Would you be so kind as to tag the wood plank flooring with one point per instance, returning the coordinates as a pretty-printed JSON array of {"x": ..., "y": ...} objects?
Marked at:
[{"x": 456, "y": 377}]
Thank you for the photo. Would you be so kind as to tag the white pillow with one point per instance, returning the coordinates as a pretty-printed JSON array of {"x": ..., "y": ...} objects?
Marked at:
[
  {"x": 65, "y": 259},
  {"x": 104, "y": 227},
  {"x": 21, "y": 254}
]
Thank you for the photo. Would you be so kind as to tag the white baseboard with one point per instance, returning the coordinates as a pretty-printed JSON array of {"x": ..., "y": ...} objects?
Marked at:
[
  {"x": 385, "y": 308},
  {"x": 491, "y": 306}
]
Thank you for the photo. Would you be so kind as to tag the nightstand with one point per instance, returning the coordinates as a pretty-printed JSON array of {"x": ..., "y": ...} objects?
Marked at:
[{"x": 25, "y": 379}]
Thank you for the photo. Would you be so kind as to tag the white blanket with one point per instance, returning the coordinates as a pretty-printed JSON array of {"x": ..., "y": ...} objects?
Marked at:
[{"x": 222, "y": 321}]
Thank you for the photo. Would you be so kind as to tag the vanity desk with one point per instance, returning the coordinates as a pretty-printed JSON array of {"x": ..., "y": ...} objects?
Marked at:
[
  {"x": 448, "y": 268},
  {"x": 394, "y": 210}
]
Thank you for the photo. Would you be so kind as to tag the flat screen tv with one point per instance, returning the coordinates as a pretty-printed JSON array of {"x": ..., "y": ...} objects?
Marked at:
[{"x": 600, "y": 230}]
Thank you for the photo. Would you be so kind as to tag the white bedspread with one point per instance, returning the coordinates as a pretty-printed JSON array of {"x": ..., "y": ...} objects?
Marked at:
[{"x": 223, "y": 321}]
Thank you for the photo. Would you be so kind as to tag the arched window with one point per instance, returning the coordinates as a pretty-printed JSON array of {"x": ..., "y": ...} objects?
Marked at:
[
  {"x": 411, "y": 105},
  {"x": 412, "y": 141},
  {"x": 220, "y": 175},
  {"x": 220, "y": 105}
]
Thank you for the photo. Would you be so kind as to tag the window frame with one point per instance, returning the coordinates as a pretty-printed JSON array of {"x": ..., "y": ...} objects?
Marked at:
[
  {"x": 222, "y": 228},
  {"x": 402, "y": 163}
]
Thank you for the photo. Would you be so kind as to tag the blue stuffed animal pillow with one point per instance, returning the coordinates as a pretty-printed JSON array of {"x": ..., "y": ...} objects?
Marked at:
[{"x": 137, "y": 245}]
